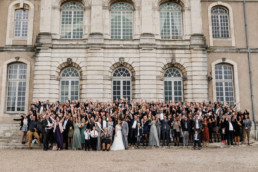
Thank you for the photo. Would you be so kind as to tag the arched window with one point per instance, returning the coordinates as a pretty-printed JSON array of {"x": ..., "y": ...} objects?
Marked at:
[
  {"x": 70, "y": 84},
  {"x": 173, "y": 85},
  {"x": 121, "y": 21},
  {"x": 171, "y": 21},
  {"x": 122, "y": 84},
  {"x": 16, "y": 87},
  {"x": 72, "y": 20},
  {"x": 224, "y": 83},
  {"x": 21, "y": 21},
  {"x": 220, "y": 22}
]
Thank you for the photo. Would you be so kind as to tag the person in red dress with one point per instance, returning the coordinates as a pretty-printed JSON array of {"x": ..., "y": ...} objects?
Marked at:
[{"x": 205, "y": 132}]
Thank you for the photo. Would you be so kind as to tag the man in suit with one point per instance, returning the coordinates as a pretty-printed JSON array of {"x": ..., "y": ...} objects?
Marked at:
[
  {"x": 66, "y": 126},
  {"x": 197, "y": 123},
  {"x": 138, "y": 134},
  {"x": 229, "y": 131},
  {"x": 165, "y": 129},
  {"x": 133, "y": 125},
  {"x": 185, "y": 124},
  {"x": 125, "y": 131},
  {"x": 48, "y": 126},
  {"x": 247, "y": 128}
]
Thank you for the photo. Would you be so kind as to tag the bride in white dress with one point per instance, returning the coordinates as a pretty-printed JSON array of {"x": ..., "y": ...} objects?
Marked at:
[{"x": 118, "y": 141}]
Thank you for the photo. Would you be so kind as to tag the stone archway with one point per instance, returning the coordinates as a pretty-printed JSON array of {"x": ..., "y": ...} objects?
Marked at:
[
  {"x": 174, "y": 65},
  {"x": 68, "y": 63}
]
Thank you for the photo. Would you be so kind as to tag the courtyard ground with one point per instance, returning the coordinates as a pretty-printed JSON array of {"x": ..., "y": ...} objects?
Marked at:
[{"x": 238, "y": 158}]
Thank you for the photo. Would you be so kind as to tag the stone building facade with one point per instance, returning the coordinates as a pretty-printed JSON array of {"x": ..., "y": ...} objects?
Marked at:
[{"x": 191, "y": 50}]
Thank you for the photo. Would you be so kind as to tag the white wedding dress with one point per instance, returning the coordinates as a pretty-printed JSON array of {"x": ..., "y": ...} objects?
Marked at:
[{"x": 118, "y": 141}]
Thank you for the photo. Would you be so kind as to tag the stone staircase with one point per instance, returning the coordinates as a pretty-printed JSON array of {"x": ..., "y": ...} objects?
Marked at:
[{"x": 10, "y": 136}]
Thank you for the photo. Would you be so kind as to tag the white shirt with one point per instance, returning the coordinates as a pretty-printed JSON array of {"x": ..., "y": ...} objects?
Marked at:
[
  {"x": 104, "y": 124},
  {"x": 134, "y": 124},
  {"x": 161, "y": 116},
  {"x": 230, "y": 126},
  {"x": 87, "y": 135},
  {"x": 197, "y": 124},
  {"x": 65, "y": 122},
  {"x": 94, "y": 134}
]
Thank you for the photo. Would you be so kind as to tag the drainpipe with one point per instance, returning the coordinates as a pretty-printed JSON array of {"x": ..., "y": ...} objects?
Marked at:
[{"x": 250, "y": 67}]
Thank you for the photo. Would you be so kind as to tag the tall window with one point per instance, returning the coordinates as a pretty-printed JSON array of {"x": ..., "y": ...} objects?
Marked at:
[
  {"x": 72, "y": 20},
  {"x": 224, "y": 83},
  {"x": 21, "y": 23},
  {"x": 16, "y": 87},
  {"x": 121, "y": 84},
  {"x": 70, "y": 84},
  {"x": 121, "y": 21},
  {"x": 173, "y": 85},
  {"x": 220, "y": 22},
  {"x": 171, "y": 21}
]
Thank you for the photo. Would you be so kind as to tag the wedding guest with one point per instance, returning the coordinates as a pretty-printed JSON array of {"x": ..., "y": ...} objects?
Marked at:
[
  {"x": 223, "y": 126},
  {"x": 23, "y": 126},
  {"x": 138, "y": 134},
  {"x": 125, "y": 131},
  {"x": 229, "y": 131},
  {"x": 87, "y": 139},
  {"x": 99, "y": 130},
  {"x": 40, "y": 128},
  {"x": 33, "y": 132},
  {"x": 153, "y": 139},
  {"x": 236, "y": 125},
  {"x": 197, "y": 139},
  {"x": 247, "y": 129},
  {"x": 83, "y": 128},
  {"x": 146, "y": 130},
  {"x": 106, "y": 139},
  {"x": 165, "y": 130},
  {"x": 205, "y": 132},
  {"x": 176, "y": 127},
  {"x": 66, "y": 127},
  {"x": 48, "y": 126},
  {"x": 58, "y": 130},
  {"x": 70, "y": 132},
  {"x": 185, "y": 123},
  {"x": 94, "y": 138},
  {"x": 76, "y": 135}
]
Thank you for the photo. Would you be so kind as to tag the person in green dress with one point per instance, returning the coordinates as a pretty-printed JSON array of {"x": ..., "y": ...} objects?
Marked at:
[
  {"x": 83, "y": 128},
  {"x": 76, "y": 135}
]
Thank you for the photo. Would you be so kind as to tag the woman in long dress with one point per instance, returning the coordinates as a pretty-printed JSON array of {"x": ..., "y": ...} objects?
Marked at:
[
  {"x": 205, "y": 132},
  {"x": 99, "y": 130},
  {"x": 58, "y": 130},
  {"x": 76, "y": 135},
  {"x": 118, "y": 141},
  {"x": 153, "y": 138},
  {"x": 83, "y": 128}
]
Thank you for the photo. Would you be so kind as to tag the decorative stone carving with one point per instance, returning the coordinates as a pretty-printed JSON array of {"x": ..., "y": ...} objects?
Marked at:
[
  {"x": 122, "y": 61},
  {"x": 173, "y": 60},
  {"x": 223, "y": 59},
  {"x": 69, "y": 61},
  {"x": 17, "y": 58}
]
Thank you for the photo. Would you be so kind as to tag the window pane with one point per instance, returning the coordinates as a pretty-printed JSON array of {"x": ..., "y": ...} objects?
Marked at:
[
  {"x": 72, "y": 20},
  {"x": 121, "y": 21},
  {"x": 220, "y": 22},
  {"x": 21, "y": 23},
  {"x": 170, "y": 21}
]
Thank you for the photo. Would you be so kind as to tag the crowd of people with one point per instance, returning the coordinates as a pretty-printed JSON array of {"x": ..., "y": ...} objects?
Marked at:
[{"x": 120, "y": 124}]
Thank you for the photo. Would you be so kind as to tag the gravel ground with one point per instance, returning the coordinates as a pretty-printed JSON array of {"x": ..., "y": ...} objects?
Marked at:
[{"x": 242, "y": 158}]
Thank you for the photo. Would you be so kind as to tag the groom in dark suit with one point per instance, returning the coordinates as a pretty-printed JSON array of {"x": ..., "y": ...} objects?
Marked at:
[
  {"x": 48, "y": 127},
  {"x": 165, "y": 130}
]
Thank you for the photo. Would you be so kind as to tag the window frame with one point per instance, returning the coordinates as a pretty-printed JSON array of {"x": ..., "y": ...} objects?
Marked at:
[
  {"x": 172, "y": 80},
  {"x": 121, "y": 14},
  {"x": 22, "y": 24},
  {"x": 69, "y": 79},
  {"x": 16, "y": 81},
  {"x": 179, "y": 37},
  {"x": 72, "y": 19},
  {"x": 121, "y": 79},
  {"x": 223, "y": 81},
  {"x": 220, "y": 15}
]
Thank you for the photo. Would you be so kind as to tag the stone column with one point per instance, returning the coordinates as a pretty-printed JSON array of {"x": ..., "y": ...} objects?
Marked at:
[
  {"x": 196, "y": 16},
  {"x": 96, "y": 17},
  {"x": 146, "y": 17},
  {"x": 45, "y": 16}
]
